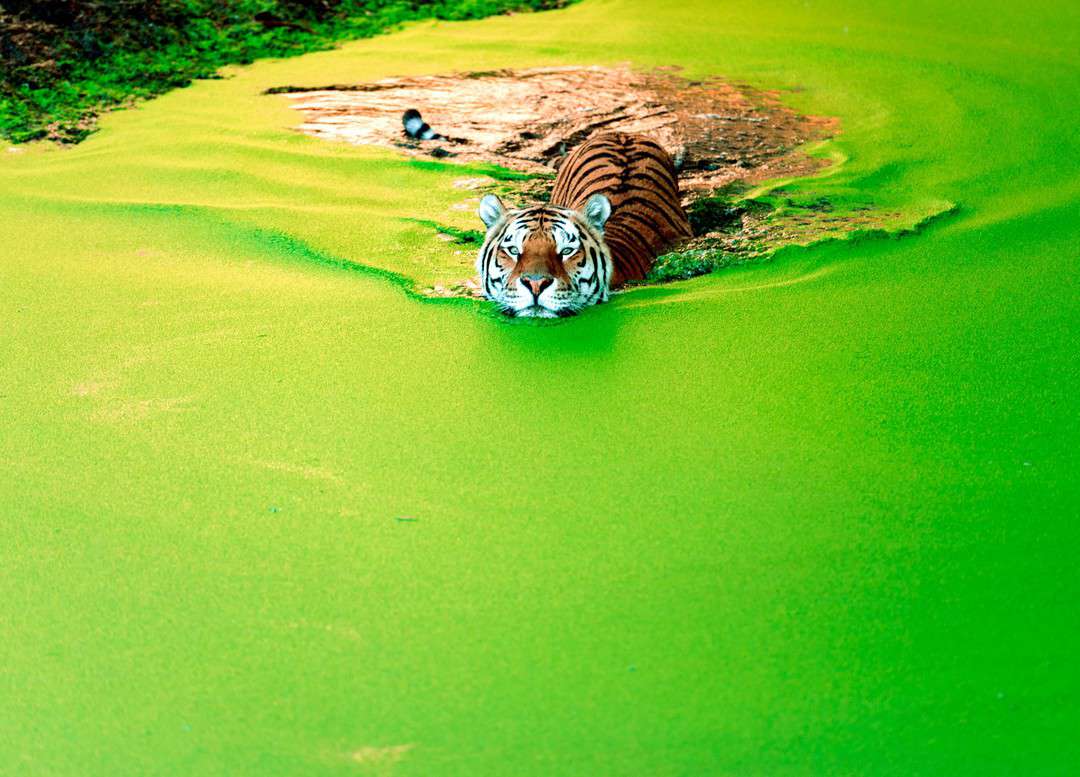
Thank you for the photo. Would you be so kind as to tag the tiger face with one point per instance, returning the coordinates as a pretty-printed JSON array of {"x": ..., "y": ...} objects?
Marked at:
[{"x": 545, "y": 261}]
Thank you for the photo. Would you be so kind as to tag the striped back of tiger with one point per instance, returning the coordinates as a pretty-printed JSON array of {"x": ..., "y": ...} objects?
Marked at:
[{"x": 638, "y": 176}]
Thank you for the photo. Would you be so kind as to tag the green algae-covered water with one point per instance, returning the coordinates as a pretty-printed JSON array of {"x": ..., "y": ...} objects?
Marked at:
[{"x": 265, "y": 514}]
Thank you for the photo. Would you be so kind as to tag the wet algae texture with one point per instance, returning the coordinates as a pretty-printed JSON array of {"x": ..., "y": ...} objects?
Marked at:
[{"x": 813, "y": 516}]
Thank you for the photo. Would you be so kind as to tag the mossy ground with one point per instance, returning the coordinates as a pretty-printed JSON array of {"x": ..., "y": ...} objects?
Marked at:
[
  {"x": 810, "y": 516},
  {"x": 65, "y": 63}
]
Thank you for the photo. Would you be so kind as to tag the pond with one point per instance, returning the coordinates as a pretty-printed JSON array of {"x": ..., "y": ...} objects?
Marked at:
[{"x": 269, "y": 511}]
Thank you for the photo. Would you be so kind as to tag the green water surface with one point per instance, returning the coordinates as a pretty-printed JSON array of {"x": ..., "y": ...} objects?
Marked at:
[{"x": 264, "y": 513}]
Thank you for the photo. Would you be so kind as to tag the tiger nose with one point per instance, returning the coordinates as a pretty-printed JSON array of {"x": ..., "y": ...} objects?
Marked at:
[{"x": 536, "y": 283}]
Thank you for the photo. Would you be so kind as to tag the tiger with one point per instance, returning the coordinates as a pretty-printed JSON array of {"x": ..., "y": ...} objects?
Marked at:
[{"x": 614, "y": 207}]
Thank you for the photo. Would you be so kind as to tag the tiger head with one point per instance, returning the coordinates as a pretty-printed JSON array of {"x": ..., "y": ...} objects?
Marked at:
[{"x": 545, "y": 261}]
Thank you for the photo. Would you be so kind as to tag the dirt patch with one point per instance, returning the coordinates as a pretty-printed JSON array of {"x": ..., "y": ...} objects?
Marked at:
[
  {"x": 724, "y": 137},
  {"x": 528, "y": 120}
]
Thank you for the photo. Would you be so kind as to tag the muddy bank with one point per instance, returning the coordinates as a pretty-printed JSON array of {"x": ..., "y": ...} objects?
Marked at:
[{"x": 527, "y": 120}]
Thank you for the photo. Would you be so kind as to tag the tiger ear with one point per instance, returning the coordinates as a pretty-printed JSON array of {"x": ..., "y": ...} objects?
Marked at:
[
  {"x": 491, "y": 210},
  {"x": 597, "y": 211}
]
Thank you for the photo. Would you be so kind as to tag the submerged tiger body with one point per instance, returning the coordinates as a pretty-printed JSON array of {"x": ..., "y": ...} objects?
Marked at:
[
  {"x": 614, "y": 208},
  {"x": 638, "y": 178}
]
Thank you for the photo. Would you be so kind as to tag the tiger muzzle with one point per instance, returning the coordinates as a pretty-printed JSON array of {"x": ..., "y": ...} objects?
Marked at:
[{"x": 536, "y": 283}]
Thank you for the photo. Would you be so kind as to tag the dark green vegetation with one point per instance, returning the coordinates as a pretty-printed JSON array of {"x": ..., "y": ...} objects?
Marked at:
[
  {"x": 466, "y": 237},
  {"x": 810, "y": 516},
  {"x": 720, "y": 213},
  {"x": 682, "y": 265},
  {"x": 65, "y": 62}
]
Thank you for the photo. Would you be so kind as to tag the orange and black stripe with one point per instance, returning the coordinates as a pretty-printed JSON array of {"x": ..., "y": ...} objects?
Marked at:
[{"x": 638, "y": 177}]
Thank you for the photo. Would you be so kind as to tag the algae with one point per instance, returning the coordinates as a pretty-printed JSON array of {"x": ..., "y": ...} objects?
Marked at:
[{"x": 814, "y": 515}]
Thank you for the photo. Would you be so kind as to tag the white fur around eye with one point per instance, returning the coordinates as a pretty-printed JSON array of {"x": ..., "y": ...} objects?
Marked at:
[
  {"x": 514, "y": 239},
  {"x": 567, "y": 239}
]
